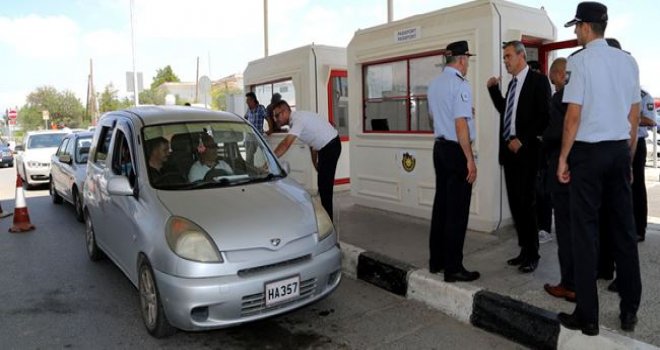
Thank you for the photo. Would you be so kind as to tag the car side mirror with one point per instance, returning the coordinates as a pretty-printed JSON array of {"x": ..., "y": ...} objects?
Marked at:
[
  {"x": 119, "y": 185},
  {"x": 65, "y": 158}
]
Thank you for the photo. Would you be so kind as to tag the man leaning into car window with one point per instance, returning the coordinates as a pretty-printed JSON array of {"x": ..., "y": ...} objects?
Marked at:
[{"x": 208, "y": 162}]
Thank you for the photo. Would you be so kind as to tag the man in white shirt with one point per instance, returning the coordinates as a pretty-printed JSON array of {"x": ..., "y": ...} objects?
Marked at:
[
  {"x": 208, "y": 160},
  {"x": 322, "y": 139}
]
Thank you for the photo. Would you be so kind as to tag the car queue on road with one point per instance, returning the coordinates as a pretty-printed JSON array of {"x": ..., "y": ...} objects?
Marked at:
[{"x": 188, "y": 243}]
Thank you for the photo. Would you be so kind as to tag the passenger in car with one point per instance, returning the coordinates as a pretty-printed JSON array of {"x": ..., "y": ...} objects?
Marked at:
[
  {"x": 158, "y": 151},
  {"x": 208, "y": 162}
]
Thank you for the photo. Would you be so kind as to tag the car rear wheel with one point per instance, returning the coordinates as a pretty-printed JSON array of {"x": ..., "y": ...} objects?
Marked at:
[
  {"x": 151, "y": 307},
  {"x": 77, "y": 202},
  {"x": 93, "y": 250},
  {"x": 57, "y": 199}
]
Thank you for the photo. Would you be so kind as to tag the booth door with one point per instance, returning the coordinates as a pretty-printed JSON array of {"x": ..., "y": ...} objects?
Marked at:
[
  {"x": 338, "y": 116},
  {"x": 542, "y": 51}
]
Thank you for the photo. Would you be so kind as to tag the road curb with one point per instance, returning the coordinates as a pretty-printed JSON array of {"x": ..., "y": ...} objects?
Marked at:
[{"x": 518, "y": 321}]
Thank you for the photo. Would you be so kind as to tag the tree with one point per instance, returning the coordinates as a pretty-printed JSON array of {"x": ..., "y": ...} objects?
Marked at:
[
  {"x": 108, "y": 101},
  {"x": 152, "y": 97},
  {"x": 219, "y": 96},
  {"x": 64, "y": 108},
  {"x": 164, "y": 75}
]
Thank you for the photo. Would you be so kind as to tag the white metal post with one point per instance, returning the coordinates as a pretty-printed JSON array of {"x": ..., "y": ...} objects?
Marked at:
[{"x": 265, "y": 28}]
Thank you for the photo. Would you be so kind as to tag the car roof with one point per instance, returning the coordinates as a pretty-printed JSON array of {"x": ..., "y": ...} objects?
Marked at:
[
  {"x": 153, "y": 115},
  {"x": 37, "y": 132},
  {"x": 81, "y": 134}
]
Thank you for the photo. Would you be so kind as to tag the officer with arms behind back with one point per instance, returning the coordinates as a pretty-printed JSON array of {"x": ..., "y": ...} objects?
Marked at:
[
  {"x": 600, "y": 133},
  {"x": 450, "y": 105}
]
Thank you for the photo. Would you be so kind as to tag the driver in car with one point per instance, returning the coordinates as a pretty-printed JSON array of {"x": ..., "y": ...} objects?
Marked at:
[{"x": 208, "y": 163}]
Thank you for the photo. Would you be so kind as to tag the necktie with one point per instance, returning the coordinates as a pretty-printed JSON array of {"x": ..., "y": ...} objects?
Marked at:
[{"x": 508, "y": 114}]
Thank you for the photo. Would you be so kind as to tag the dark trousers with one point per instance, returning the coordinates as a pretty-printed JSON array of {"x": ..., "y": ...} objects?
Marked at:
[
  {"x": 451, "y": 207},
  {"x": 640, "y": 204},
  {"x": 327, "y": 163},
  {"x": 561, "y": 203},
  {"x": 600, "y": 174},
  {"x": 520, "y": 178}
]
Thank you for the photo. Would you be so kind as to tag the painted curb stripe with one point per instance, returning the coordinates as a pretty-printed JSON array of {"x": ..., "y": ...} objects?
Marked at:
[
  {"x": 384, "y": 272},
  {"x": 518, "y": 321}
]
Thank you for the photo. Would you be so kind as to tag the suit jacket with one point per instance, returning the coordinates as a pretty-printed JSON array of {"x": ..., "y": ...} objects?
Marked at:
[{"x": 531, "y": 117}]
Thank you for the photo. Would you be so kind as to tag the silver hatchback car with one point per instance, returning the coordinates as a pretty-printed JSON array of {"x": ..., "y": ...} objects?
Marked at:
[{"x": 209, "y": 239}]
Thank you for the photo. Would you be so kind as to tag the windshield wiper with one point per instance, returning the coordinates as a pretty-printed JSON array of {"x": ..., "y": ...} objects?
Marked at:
[{"x": 268, "y": 177}]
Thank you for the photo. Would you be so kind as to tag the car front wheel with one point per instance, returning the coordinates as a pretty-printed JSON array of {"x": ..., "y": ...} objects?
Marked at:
[
  {"x": 151, "y": 307},
  {"x": 57, "y": 199},
  {"x": 93, "y": 250},
  {"x": 77, "y": 202}
]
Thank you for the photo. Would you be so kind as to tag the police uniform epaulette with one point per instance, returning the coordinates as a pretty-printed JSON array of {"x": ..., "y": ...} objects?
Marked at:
[
  {"x": 576, "y": 52},
  {"x": 460, "y": 76},
  {"x": 644, "y": 93}
]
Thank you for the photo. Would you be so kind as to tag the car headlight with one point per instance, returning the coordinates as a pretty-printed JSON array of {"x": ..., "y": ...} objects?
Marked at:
[
  {"x": 189, "y": 241},
  {"x": 33, "y": 164},
  {"x": 323, "y": 221}
]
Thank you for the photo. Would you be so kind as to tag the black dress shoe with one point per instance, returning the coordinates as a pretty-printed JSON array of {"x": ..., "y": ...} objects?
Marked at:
[
  {"x": 528, "y": 266},
  {"x": 515, "y": 261},
  {"x": 571, "y": 322},
  {"x": 641, "y": 238},
  {"x": 628, "y": 321},
  {"x": 436, "y": 269},
  {"x": 462, "y": 276},
  {"x": 612, "y": 287}
]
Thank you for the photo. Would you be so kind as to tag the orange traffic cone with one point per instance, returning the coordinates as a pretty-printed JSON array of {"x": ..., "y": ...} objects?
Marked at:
[{"x": 21, "y": 216}]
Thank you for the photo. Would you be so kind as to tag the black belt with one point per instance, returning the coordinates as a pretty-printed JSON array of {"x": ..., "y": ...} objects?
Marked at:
[{"x": 444, "y": 140}]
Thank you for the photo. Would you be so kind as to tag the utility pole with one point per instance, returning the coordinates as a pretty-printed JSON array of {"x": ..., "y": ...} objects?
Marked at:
[
  {"x": 197, "y": 82},
  {"x": 135, "y": 85},
  {"x": 265, "y": 28},
  {"x": 390, "y": 11}
]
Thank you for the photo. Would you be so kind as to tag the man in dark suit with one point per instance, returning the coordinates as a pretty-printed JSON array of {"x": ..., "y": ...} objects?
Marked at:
[{"x": 524, "y": 116}]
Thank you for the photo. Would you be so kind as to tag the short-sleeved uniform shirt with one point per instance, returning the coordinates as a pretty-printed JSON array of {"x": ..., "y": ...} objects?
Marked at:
[
  {"x": 311, "y": 129},
  {"x": 450, "y": 98},
  {"x": 605, "y": 82},
  {"x": 648, "y": 110}
]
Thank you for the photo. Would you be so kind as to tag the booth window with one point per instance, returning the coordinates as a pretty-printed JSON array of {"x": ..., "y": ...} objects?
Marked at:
[
  {"x": 285, "y": 88},
  {"x": 395, "y": 94}
]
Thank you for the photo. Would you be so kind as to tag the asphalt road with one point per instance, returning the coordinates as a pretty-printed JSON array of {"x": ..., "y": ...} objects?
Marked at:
[{"x": 52, "y": 296}]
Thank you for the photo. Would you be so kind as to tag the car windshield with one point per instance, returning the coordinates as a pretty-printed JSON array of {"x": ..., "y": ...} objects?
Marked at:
[
  {"x": 195, "y": 155},
  {"x": 82, "y": 149},
  {"x": 45, "y": 140}
]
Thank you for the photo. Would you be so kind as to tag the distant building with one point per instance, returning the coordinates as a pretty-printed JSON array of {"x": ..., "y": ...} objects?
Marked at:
[
  {"x": 234, "y": 81},
  {"x": 184, "y": 91}
]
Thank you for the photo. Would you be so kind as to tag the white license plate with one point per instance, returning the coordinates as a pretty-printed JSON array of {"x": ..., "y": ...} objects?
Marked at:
[{"x": 282, "y": 290}]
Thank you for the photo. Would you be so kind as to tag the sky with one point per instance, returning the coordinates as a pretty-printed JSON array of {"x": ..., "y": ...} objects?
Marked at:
[{"x": 50, "y": 43}]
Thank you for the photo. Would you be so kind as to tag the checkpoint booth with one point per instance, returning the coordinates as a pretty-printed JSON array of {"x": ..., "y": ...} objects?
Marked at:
[
  {"x": 389, "y": 69},
  {"x": 310, "y": 78}
]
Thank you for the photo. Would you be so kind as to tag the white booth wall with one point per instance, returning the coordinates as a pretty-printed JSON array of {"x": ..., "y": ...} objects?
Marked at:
[
  {"x": 378, "y": 176},
  {"x": 309, "y": 69}
]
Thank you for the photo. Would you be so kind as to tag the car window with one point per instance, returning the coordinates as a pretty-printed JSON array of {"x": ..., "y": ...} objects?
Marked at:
[
  {"x": 82, "y": 149},
  {"x": 70, "y": 147},
  {"x": 193, "y": 155},
  {"x": 103, "y": 147},
  {"x": 122, "y": 163},
  {"x": 44, "y": 140},
  {"x": 62, "y": 149}
]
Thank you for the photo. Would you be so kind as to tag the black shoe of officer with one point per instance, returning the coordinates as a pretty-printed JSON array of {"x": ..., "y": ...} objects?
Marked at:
[
  {"x": 571, "y": 322},
  {"x": 628, "y": 321},
  {"x": 516, "y": 261},
  {"x": 462, "y": 276},
  {"x": 436, "y": 269}
]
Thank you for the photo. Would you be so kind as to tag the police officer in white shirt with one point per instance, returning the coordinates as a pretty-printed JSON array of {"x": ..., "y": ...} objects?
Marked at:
[
  {"x": 640, "y": 205},
  {"x": 450, "y": 105},
  {"x": 600, "y": 134},
  {"x": 322, "y": 139}
]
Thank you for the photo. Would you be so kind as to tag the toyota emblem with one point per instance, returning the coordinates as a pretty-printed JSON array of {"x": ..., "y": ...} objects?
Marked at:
[{"x": 275, "y": 242}]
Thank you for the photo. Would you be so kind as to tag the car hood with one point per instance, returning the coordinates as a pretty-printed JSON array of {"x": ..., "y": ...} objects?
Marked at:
[
  {"x": 39, "y": 154},
  {"x": 248, "y": 216}
]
